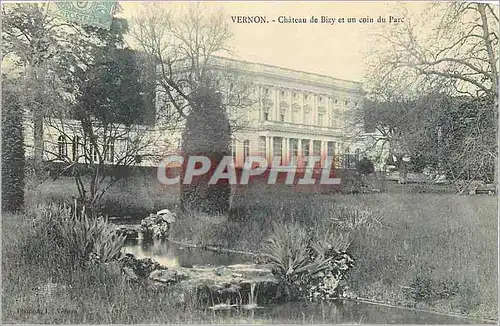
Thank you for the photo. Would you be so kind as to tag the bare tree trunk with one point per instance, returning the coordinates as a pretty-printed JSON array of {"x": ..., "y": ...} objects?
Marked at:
[
  {"x": 494, "y": 78},
  {"x": 403, "y": 173}
]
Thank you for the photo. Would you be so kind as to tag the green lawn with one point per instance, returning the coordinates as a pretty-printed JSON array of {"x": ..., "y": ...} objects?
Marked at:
[{"x": 432, "y": 251}]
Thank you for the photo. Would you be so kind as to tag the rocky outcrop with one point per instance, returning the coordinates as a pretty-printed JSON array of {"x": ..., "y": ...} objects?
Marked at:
[
  {"x": 131, "y": 231},
  {"x": 157, "y": 225},
  {"x": 236, "y": 284},
  {"x": 239, "y": 284},
  {"x": 136, "y": 269}
]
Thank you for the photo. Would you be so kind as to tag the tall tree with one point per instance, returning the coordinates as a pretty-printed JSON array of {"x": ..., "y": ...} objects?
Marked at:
[
  {"x": 452, "y": 47},
  {"x": 185, "y": 45},
  {"x": 113, "y": 113},
  {"x": 91, "y": 95},
  {"x": 207, "y": 133},
  {"x": 13, "y": 161},
  {"x": 34, "y": 41}
]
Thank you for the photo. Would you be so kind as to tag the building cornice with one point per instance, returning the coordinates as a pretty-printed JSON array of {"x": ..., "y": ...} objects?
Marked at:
[{"x": 280, "y": 73}]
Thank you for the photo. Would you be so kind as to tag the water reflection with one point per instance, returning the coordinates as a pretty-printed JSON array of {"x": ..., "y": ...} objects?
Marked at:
[
  {"x": 174, "y": 255},
  {"x": 339, "y": 312}
]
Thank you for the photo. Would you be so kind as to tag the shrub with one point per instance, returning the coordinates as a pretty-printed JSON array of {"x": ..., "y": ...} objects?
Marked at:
[
  {"x": 348, "y": 218},
  {"x": 365, "y": 166},
  {"x": 424, "y": 288},
  {"x": 309, "y": 266},
  {"x": 77, "y": 236}
]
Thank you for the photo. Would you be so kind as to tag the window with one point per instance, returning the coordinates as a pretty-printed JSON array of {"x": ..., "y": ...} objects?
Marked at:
[
  {"x": 282, "y": 118},
  {"x": 110, "y": 151},
  {"x": 233, "y": 149},
  {"x": 336, "y": 101},
  {"x": 345, "y": 102},
  {"x": 278, "y": 148},
  {"x": 316, "y": 148},
  {"x": 266, "y": 91},
  {"x": 331, "y": 148},
  {"x": 294, "y": 151},
  {"x": 320, "y": 99},
  {"x": 262, "y": 146},
  {"x": 266, "y": 116},
  {"x": 62, "y": 148},
  {"x": 294, "y": 94},
  {"x": 75, "y": 148},
  {"x": 306, "y": 97},
  {"x": 320, "y": 119},
  {"x": 91, "y": 154},
  {"x": 283, "y": 93},
  {"x": 305, "y": 149},
  {"x": 95, "y": 156},
  {"x": 246, "y": 149}
]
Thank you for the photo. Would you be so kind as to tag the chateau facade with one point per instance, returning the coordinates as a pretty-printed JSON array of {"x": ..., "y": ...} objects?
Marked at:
[{"x": 299, "y": 114}]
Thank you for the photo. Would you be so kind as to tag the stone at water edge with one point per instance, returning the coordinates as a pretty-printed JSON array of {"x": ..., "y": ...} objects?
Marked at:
[
  {"x": 130, "y": 231},
  {"x": 234, "y": 283},
  {"x": 167, "y": 276},
  {"x": 167, "y": 215}
]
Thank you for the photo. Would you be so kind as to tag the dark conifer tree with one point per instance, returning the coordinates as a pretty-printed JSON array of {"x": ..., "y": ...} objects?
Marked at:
[
  {"x": 207, "y": 133},
  {"x": 13, "y": 159}
]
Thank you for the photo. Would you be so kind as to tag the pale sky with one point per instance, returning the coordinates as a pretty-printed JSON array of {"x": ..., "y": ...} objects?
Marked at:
[{"x": 338, "y": 50}]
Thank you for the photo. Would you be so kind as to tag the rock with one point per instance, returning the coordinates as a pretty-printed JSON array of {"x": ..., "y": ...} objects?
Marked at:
[
  {"x": 131, "y": 231},
  {"x": 167, "y": 215},
  {"x": 234, "y": 283},
  {"x": 129, "y": 274},
  {"x": 220, "y": 271},
  {"x": 157, "y": 226},
  {"x": 141, "y": 267},
  {"x": 167, "y": 276}
]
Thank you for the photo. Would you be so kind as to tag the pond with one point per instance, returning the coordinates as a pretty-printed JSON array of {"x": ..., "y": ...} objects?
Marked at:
[
  {"x": 174, "y": 255},
  {"x": 341, "y": 311},
  {"x": 338, "y": 312}
]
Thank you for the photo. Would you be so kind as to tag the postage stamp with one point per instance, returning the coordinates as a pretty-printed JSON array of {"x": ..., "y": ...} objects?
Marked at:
[{"x": 95, "y": 13}]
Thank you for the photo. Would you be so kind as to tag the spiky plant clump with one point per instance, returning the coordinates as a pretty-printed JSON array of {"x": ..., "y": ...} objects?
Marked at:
[
  {"x": 347, "y": 218},
  {"x": 79, "y": 236},
  {"x": 310, "y": 265}
]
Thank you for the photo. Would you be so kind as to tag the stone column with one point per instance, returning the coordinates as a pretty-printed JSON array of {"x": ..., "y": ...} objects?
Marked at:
[
  {"x": 323, "y": 152},
  {"x": 270, "y": 152},
  {"x": 266, "y": 150},
  {"x": 299, "y": 150},
  {"x": 315, "y": 110},
  {"x": 285, "y": 150},
  {"x": 276, "y": 105}
]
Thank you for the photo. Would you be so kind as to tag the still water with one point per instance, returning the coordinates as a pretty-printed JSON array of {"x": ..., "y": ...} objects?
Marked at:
[
  {"x": 174, "y": 255},
  {"x": 343, "y": 312}
]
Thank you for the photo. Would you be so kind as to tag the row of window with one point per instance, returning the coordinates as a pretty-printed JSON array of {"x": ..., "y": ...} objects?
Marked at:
[
  {"x": 295, "y": 95},
  {"x": 83, "y": 149},
  {"x": 321, "y": 119},
  {"x": 278, "y": 149}
]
